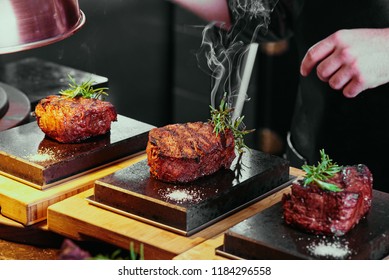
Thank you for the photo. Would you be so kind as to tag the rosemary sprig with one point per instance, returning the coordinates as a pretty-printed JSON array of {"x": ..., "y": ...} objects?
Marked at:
[
  {"x": 322, "y": 172},
  {"x": 85, "y": 90},
  {"x": 221, "y": 120}
]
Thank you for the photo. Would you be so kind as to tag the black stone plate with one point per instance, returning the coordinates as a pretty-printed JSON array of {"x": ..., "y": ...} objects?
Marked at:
[
  {"x": 266, "y": 236},
  {"x": 28, "y": 156},
  {"x": 187, "y": 208}
]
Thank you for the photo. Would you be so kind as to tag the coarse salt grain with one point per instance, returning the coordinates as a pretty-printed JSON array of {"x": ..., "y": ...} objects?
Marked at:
[
  {"x": 330, "y": 249},
  {"x": 179, "y": 195},
  {"x": 42, "y": 156}
]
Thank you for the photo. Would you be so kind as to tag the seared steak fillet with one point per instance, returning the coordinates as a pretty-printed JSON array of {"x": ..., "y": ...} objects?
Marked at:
[
  {"x": 71, "y": 120},
  {"x": 330, "y": 213},
  {"x": 185, "y": 152}
]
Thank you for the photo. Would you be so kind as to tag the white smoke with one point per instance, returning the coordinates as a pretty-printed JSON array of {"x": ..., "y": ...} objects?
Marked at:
[
  {"x": 222, "y": 53},
  {"x": 221, "y": 57}
]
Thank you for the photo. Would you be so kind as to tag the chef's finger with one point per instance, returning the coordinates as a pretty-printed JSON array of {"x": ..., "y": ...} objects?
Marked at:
[
  {"x": 316, "y": 54},
  {"x": 328, "y": 67},
  {"x": 340, "y": 78},
  {"x": 353, "y": 88}
]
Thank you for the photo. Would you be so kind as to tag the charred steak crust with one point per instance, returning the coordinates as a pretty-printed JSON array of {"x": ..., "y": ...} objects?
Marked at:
[
  {"x": 315, "y": 210},
  {"x": 72, "y": 120},
  {"x": 185, "y": 152}
]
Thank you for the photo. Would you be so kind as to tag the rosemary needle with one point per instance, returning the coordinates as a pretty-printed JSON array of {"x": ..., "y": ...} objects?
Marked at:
[
  {"x": 322, "y": 172},
  {"x": 85, "y": 90},
  {"x": 221, "y": 120}
]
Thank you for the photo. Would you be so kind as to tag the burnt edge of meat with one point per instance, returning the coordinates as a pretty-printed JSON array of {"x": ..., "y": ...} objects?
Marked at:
[
  {"x": 319, "y": 211},
  {"x": 182, "y": 153},
  {"x": 73, "y": 120}
]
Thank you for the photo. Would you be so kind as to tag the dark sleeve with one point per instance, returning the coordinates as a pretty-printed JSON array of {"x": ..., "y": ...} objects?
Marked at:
[{"x": 276, "y": 23}]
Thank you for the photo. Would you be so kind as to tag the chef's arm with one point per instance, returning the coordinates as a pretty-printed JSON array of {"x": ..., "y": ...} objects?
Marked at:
[
  {"x": 209, "y": 10},
  {"x": 223, "y": 11}
]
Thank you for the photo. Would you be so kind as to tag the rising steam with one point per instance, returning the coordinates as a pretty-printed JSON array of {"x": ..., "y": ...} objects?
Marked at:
[{"x": 222, "y": 53}]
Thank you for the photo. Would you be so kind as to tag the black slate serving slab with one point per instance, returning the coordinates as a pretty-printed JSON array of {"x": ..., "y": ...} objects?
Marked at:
[
  {"x": 28, "y": 156},
  {"x": 266, "y": 236},
  {"x": 187, "y": 208}
]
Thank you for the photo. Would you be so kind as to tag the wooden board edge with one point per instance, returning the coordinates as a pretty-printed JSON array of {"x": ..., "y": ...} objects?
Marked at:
[
  {"x": 13, "y": 209},
  {"x": 58, "y": 220}
]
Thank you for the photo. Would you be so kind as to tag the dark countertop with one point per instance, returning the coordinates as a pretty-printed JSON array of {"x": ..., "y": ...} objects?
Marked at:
[
  {"x": 36, "y": 242},
  {"x": 17, "y": 251},
  {"x": 18, "y": 242}
]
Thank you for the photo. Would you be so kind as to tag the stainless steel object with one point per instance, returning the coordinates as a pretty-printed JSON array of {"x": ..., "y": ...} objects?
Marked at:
[{"x": 27, "y": 24}]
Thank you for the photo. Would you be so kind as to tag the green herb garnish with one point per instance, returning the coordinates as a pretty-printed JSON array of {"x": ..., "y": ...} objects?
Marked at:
[
  {"x": 322, "y": 172},
  {"x": 221, "y": 120},
  {"x": 85, "y": 90}
]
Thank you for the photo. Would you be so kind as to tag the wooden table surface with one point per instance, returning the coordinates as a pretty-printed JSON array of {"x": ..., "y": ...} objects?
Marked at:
[{"x": 27, "y": 243}]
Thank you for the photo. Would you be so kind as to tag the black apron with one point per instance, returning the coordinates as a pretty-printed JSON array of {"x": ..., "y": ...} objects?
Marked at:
[{"x": 351, "y": 130}]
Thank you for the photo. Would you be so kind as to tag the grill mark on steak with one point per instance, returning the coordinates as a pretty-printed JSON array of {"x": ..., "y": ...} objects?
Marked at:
[
  {"x": 181, "y": 136},
  {"x": 202, "y": 138},
  {"x": 185, "y": 152}
]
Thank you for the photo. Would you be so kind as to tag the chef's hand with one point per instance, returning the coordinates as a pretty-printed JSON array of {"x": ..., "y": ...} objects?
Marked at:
[{"x": 350, "y": 60}]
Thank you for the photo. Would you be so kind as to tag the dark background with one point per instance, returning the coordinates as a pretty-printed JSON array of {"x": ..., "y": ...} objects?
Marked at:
[{"x": 146, "y": 49}]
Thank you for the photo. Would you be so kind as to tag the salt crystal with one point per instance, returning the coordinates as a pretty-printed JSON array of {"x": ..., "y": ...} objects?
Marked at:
[
  {"x": 330, "y": 249},
  {"x": 40, "y": 157},
  {"x": 179, "y": 195}
]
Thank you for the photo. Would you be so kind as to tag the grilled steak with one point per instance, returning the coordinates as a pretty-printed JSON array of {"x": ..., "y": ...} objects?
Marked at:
[
  {"x": 185, "y": 152},
  {"x": 71, "y": 120},
  {"x": 330, "y": 213}
]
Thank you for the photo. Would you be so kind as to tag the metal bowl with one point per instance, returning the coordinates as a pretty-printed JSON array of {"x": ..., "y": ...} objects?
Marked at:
[{"x": 26, "y": 24}]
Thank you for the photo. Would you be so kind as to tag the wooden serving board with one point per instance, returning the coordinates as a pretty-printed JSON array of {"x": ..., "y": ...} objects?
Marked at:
[
  {"x": 27, "y": 205},
  {"x": 77, "y": 219},
  {"x": 26, "y": 155}
]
